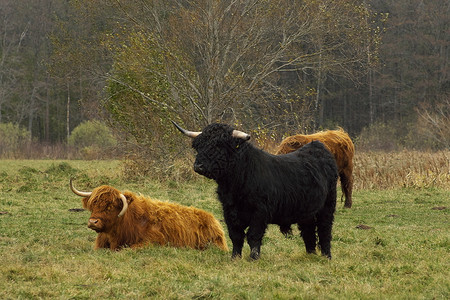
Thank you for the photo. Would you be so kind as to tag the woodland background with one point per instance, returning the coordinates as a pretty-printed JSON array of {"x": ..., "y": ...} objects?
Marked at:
[{"x": 379, "y": 69}]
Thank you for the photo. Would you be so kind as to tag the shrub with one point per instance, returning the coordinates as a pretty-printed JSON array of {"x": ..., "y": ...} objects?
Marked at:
[
  {"x": 428, "y": 130},
  {"x": 379, "y": 136},
  {"x": 13, "y": 139},
  {"x": 61, "y": 170},
  {"x": 433, "y": 124},
  {"x": 91, "y": 139}
]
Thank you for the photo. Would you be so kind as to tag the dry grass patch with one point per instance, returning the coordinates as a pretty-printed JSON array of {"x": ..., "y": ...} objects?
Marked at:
[{"x": 384, "y": 170}]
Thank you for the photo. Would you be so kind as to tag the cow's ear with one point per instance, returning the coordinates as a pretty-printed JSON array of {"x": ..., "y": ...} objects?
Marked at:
[
  {"x": 242, "y": 141},
  {"x": 129, "y": 198},
  {"x": 85, "y": 202},
  {"x": 296, "y": 144}
]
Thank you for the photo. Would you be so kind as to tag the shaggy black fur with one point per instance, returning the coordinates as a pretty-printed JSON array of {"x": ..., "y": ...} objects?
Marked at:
[{"x": 257, "y": 188}]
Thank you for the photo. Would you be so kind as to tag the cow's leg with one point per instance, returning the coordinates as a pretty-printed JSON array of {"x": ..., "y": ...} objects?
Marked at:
[
  {"x": 254, "y": 237},
  {"x": 235, "y": 226},
  {"x": 325, "y": 223},
  {"x": 308, "y": 233},
  {"x": 236, "y": 231},
  {"x": 346, "y": 178},
  {"x": 237, "y": 236}
]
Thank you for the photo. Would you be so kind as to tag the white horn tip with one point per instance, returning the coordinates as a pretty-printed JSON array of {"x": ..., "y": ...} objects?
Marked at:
[{"x": 241, "y": 135}]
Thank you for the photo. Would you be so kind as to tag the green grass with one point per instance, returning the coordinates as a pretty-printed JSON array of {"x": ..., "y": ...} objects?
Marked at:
[{"x": 47, "y": 250}]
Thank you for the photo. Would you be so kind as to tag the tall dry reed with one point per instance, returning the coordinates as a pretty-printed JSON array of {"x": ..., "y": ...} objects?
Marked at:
[{"x": 384, "y": 170}]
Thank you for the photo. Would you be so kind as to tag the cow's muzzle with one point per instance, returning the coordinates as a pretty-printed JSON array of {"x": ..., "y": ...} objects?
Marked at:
[
  {"x": 94, "y": 224},
  {"x": 199, "y": 168}
]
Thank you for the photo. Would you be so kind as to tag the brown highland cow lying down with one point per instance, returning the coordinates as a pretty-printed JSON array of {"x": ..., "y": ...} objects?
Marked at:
[
  {"x": 339, "y": 144},
  {"x": 130, "y": 220}
]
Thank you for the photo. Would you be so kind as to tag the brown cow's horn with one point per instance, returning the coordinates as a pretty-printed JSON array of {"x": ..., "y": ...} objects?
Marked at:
[
  {"x": 77, "y": 192},
  {"x": 191, "y": 134},
  {"x": 241, "y": 135},
  {"x": 125, "y": 205}
]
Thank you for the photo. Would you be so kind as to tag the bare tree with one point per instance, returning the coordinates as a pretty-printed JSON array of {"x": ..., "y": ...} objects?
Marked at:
[
  {"x": 434, "y": 122},
  {"x": 231, "y": 58}
]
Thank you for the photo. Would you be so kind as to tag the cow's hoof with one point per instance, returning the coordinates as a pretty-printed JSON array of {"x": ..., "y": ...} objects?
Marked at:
[
  {"x": 254, "y": 254},
  {"x": 311, "y": 251},
  {"x": 235, "y": 256}
]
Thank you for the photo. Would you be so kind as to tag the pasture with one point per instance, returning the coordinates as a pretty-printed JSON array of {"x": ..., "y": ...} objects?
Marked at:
[{"x": 394, "y": 243}]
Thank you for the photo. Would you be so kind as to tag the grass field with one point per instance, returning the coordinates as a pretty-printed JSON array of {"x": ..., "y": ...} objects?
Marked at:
[{"x": 393, "y": 244}]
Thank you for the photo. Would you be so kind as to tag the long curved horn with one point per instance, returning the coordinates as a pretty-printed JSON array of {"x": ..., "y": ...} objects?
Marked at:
[
  {"x": 241, "y": 135},
  {"x": 191, "y": 134},
  {"x": 77, "y": 192},
  {"x": 125, "y": 205}
]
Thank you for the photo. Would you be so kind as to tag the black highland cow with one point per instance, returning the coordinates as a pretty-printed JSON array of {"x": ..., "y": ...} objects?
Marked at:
[{"x": 257, "y": 188}]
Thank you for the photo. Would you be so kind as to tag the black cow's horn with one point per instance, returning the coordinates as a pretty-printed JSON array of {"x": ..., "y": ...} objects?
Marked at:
[
  {"x": 191, "y": 134},
  {"x": 241, "y": 135},
  {"x": 125, "y": 205},
  {"x": 77, "y": 192}
]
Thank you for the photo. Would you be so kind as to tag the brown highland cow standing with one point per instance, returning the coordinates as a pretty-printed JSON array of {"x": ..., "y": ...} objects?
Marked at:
[
  {"x": 339, "y": 144},
  {"x": 130, "y": 220}
]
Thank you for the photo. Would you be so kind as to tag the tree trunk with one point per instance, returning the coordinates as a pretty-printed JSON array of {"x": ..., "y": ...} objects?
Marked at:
[
  {"x": 371, "y": 104},
  {"x": 319, "y": 104},
  {"x": 68, "y": 112},
  {"x": 47, "y": 114},
  {"x": 31, "y": 112}
]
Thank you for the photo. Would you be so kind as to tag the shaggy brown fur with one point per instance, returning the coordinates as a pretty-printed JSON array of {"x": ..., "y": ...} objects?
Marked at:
[
  {"x": 149, "y": 221},
  {"x": 339, "y": 144}
]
